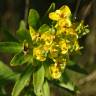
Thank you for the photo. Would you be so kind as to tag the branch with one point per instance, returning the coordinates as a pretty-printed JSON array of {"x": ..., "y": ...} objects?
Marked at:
[
  {"x": 26, "y": 11},
  {"x": 91, "y": 77}
]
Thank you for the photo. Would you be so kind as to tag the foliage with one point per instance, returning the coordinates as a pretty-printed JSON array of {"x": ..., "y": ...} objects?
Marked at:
[{"x": 45, "y": 51}]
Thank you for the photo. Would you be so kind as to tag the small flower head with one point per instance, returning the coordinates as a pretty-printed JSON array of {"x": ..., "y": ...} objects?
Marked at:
[
  {"x": 47, "y": 38},
  {"x": 55, "y": 71},
  {"x": 38, "y": 53},
  {"x": 34, "y": 34},
  {"x": 63, "y": 12},
  {"x": 63, "y": 46}
]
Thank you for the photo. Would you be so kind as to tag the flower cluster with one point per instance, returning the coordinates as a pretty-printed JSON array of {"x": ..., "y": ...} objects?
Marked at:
[{"x": 56, "y": 43}]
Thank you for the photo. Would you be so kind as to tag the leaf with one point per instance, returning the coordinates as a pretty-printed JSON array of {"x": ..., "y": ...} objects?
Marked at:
[
  {"x": 33, "y": 18},
  {"x": 20, "y": 58},
  {"x": 8, "y": 35},
  {"x": 38, "y": 79},
  {"x": 46, "y": 89},
  {"x": 77, "y": 68},
  {"x": 50, "y": 9},
  {"x": 22, "y": 32},
  {"x": 22, "y": 81},
  {"x": 7, "y": 73},
  {"x": 10, "y": 47},
  {"x": 44, "y": 28},
  {"x": 70, "y": 86}
]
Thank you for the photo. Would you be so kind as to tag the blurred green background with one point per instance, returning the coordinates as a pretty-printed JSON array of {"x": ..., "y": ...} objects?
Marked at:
[{"x": 12, "y": 11}]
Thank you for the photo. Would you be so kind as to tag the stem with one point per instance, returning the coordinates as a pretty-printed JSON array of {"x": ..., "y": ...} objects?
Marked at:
[
  {"x": 76, "y": 9},
  {"x": 26, "y": 11}
]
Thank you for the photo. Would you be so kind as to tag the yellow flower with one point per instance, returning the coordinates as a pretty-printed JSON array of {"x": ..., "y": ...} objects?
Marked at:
[
  {"x": 63, "y": 46},
  {"x": 63, "y": 23},
  {"x": 54, "y": 51},
  {"x": 47, "y": 37},
  {"x": 71, "y": 31},
  {"x": 33, "y": 34},
  {"x": 55, "y": 71},
  {"x": 63, "y": 12},
  {"x": 76, "y": 45},
  {"x": 38, "y": 53},
  {"x": 66, "y": 11}
]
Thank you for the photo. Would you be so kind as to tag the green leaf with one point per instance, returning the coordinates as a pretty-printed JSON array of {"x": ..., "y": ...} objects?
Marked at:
[
  {"x": 38, "y": 79},
  {"x": 20, "y": 58},
  {"x": 8, "y": 36},
  {"x": 7, "y": 73},
  {"x": 33, "y": 18},
  {"x": 10, "y": 47},
  {"x": 46, "y": 89},
  {"x": 22, "y": 81},
  {"x": 22, "y": 32},
  {"x": 77, "y": 68},
  {"x": 70, "y": 86},
  {"x": 50, "y": 9},
  {"x": 44, "y": 28}
]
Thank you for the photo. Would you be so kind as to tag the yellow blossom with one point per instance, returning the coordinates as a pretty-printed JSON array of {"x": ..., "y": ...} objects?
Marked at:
[
  {"x": 47, "y": 37},
  {"x": 71, "y": 31},
  {"x": 54, "y": 51},
  {"x": 63, "y": 12},
  {"x": 55, "y": 71},
  {"x": 63, "y": 46},
  {"x": 63, "y": 23},
  {"x": 38, "y": 53},
  {"x": 76, "y": 45},
  {"x": 33, "y": 34}
]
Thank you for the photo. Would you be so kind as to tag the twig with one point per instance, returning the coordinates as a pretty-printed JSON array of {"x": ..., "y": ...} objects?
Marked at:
[
  {"x": 76, "y": 9},
  {"x": 26, "y": 11},
  {"x": 91, "y": 77}
]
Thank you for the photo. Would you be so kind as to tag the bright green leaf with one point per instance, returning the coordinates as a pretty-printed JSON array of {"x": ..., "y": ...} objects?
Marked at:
[
  {"x": 33, "y": 18},
  {"x": 46, "y": 89},
  {"x": 70, "y": 86},
  {"x": 38, "y": 79},
  {"x": 10, "y": 47},
  {"x": 7, "y": 73},
  {"x": 20, "y": 59},
  {"x": 44, "y": 28},
  {"x": 22, "y": 81}
]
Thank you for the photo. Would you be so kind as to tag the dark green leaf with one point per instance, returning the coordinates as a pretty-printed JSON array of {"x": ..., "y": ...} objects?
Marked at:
[
  {"x": 22, "y": 32},
  {"x": 22, "y": 81},
  {"x": 38, "y": 79},
  {"x": 6, "y": 72},
  {"x": 77, "y": 68},
  {"x": 33, "y": 18},
  {"x": 50, "y": 9},
  {"x": 10, "y": 47},
  {"x": 8, "y": 36},
  {"x": 20, "y": 59}
]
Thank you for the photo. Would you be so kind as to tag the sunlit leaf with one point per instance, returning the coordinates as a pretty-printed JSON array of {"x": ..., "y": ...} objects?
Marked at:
[
  {"x": 20, "y": 58},
  {"x": 10, "y": 47},
  {"x": 6, "y": 72},
  {"x": 46, "y": 89},
  {"x": 22, "y": 81},
  {"x": 33, "y": 18},
  {"x": 44, "y": 28},
  {"x": 38, "y": 79}
]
